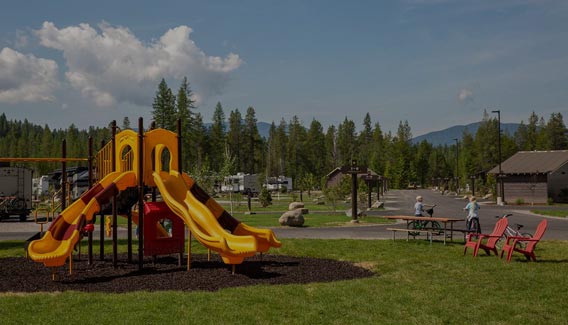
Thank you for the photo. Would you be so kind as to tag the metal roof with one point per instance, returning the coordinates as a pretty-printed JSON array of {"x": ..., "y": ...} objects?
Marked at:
[{"x": 531, "y": 162}]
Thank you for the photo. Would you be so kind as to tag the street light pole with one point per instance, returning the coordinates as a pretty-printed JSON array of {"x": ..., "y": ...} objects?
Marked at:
[
  {"x": 457, "y": 166},
  {"x": 500, "y": 176}
]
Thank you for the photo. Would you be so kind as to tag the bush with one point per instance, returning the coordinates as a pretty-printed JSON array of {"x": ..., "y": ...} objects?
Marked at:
[
  {"x": 519, "y": 201},
  {"x": 264, "y": 198}
]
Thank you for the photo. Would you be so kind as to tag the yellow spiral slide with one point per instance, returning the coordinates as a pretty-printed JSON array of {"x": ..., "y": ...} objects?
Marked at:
[
  {"x": 57, "y": 244},
  {"x": 211, "y": 225}
]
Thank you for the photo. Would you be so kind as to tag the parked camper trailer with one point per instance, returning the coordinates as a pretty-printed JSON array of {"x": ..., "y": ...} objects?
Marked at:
[
  {"x": 243, "y": 183},
  {"x": 15, "y": 192}
]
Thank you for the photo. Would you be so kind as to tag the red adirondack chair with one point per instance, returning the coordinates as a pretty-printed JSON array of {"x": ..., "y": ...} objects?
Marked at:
[
  {"x": 475, "y": 241},
  {"x": 511, "y": 245}
]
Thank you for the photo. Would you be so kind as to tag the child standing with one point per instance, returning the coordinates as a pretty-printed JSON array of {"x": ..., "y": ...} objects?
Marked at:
[{"x": 472, "y": 207}]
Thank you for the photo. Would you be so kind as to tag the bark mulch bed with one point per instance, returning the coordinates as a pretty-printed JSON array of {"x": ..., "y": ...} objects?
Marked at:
[{"x": 18, "y": 274}]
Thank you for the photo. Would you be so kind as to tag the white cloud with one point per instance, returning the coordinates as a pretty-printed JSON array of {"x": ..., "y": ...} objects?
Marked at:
[
  {"x": 25, "y": 78},
  {"x": 465, "y": 96},
  {"x": 111, "y": 65}
]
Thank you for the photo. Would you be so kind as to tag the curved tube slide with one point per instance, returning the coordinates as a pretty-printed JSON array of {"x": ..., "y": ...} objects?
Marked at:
[
  {"x": 65, "y": 231},
  {"x": 211, "y": 225}
]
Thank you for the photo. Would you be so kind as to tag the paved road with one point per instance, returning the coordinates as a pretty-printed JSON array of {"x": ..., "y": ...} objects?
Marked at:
[
  {"x": 397, "y": 203},
  {"x": 402, "y": 203}
]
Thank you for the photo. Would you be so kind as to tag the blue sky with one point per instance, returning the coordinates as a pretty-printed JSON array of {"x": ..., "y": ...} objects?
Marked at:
[{"x": 435, "y": 63}]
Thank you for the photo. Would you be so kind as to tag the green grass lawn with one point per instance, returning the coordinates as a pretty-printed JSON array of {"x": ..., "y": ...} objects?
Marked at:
[
  {"x": 270, "y": 219},
  {"x": 553, "y": 213},
  {"x": 415, "y": 283}
]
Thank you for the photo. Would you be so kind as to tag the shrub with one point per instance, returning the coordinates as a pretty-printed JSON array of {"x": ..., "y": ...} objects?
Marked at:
[{"x": 264, "y": 198}]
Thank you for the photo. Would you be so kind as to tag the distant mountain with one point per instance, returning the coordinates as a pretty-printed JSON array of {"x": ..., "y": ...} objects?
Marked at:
[{"x": 447, "y": 136}]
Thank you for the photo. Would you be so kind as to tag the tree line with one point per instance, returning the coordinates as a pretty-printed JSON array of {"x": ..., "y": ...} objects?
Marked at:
[{"x": 304, "y": 153}]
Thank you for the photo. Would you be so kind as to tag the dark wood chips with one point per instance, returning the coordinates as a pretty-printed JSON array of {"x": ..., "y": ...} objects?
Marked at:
[{"x": 18, "y": 274}]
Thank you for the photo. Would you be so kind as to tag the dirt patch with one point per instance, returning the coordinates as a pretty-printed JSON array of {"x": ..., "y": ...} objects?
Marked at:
[{"x": 18, "y": 274}]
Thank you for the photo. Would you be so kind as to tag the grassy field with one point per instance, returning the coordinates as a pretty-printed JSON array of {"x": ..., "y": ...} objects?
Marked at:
[
  {"x": 553, "y": 213},
  {"x": 415, "y": 283}
]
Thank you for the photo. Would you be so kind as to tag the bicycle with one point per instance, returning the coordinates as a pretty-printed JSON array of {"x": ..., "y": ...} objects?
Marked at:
[
  {"x": 512, "y": 232},
  {"x": 425, "y": 224}
]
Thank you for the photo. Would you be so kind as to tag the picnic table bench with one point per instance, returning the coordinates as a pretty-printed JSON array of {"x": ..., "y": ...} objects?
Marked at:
[{"x": 429, "y": 231}]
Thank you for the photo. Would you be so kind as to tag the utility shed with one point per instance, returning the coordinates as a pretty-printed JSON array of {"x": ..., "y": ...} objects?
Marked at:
[{"x": 535, "y": 176}]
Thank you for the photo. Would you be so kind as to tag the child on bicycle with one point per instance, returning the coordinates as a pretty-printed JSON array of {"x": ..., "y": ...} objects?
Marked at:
[
  {"x": 472, "y": 207},
  {"x": 419, "y": 206}
]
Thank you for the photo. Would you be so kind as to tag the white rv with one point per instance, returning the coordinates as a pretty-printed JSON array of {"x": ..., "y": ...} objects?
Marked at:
[{"x": 15, "y": 192}]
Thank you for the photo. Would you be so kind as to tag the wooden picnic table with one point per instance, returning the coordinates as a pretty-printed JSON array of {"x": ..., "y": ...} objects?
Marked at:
[{"x": 445, "y": 221}]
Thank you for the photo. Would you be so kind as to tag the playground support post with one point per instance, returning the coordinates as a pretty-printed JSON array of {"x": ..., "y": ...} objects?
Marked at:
[
  {"x": 63, "y": 174},
  {"x": 354, "y": 192},
  {"x": 140, "y": 194},
  {"x": 114, "y": 214},
  {"x": 90, "y": 164},
  {"x": 102, "y": 227}
]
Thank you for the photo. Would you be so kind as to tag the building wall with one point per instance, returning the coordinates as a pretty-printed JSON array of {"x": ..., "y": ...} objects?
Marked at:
[
  {"x": 528, "y": 188},
  {"x": 558, "y": 184}
]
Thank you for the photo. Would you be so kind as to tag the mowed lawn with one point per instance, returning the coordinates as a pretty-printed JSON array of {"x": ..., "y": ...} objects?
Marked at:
[{"x": 415, "y": 283}]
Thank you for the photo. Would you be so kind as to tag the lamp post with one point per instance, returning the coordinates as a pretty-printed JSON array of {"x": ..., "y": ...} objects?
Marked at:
[
  {"x": 457, "y": 166},
  {"x": 500, "y": 176}
]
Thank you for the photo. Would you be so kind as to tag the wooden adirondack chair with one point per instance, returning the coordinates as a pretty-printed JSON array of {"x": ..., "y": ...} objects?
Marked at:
[
  {"x": 511, "y": 245},
  {"x": 475, "y": 241}
]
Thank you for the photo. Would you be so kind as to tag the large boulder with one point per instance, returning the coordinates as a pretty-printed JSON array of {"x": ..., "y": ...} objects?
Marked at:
[
  {"x": 295, "y": 205},
  {"x": 293, "y": 218}
]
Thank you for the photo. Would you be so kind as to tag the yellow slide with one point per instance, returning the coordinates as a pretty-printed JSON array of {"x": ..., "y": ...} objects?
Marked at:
[
  {"x": 58, "y": 242},
  {"x": 209, "y": 222}
]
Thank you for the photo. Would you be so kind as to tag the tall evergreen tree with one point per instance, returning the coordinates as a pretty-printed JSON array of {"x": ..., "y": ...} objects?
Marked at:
[
  {"x": 185, "y": 104},
  {"x": 251, "y": 145},
  {"x": 365, "y": 142},
  {"x": 346, "y": 142},
  {"x": 296, "y": 152},
  {"x": 125, "y": 123},
  {"x": 163, "y": 112},
  {"x": 315, "y": 151},
  {"x": 235, "y": 138},
  {"x": 332, "y": 159},
  {"x": 557, "y": 131},
  {"x": 217, "y": 138}
]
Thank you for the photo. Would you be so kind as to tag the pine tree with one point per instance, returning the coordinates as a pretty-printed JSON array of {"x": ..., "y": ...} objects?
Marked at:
[
  {"x": 163, "y": 112},
  {"x": 296, "y": 152},
  {"x": 346, "y": 142},
  {"x": 235, "y": 138},
  {"x": 315, "y": 150},
  {"x": 184, "y": 106},
  {"x": 556, "y": 131},
  {"x": 251, "y": 145},
  {"x": 217, "y": 138},
  {"x": 365, "y": 142},
  {"x": 126, "y": 123}
]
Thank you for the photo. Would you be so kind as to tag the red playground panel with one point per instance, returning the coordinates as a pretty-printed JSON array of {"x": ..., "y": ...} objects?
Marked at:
[{"x": 164, "y": 231}]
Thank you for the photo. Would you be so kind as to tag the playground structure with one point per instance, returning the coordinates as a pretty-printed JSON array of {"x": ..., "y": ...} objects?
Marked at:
[{"x": 125, "y": 167}]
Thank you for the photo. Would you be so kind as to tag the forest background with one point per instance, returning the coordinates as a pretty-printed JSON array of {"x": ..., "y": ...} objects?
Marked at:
[{"x": 304, "y": 153}]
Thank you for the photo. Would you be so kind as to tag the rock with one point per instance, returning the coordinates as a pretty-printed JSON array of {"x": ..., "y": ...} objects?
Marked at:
[
  {"x": 295, "y": 205},
  {"x": 378, "y": 204},
  {"x": 305, "y": 211},
  {"x": 487, "y": 196},
  {"x": 293, "y": 218},
  {"x": 359, "y": 212}
]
